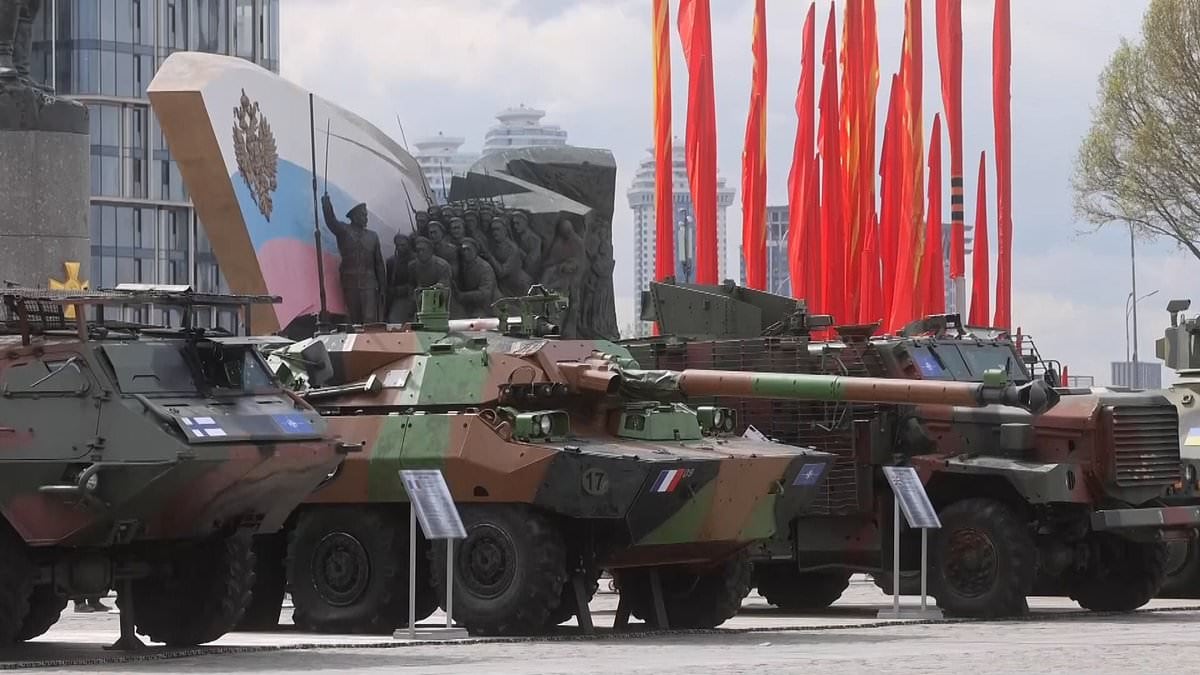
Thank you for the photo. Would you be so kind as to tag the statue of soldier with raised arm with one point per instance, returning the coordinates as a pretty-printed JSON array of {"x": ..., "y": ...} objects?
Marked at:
[{"x": 362, "y": 272}]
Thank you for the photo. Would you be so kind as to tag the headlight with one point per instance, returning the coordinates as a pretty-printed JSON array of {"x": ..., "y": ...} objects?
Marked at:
[
  {"x": 92, "y": 482},
  {"x": 718, "y": 418},
  {"x": 545, "y": 424}
]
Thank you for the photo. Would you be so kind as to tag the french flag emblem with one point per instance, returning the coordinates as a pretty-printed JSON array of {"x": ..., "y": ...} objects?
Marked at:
[{"x": 668, "y": 480}]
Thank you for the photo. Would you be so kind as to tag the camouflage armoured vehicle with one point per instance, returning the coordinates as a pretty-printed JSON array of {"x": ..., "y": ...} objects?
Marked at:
[
  {"x": 141, "y": 459},
  {"x": 1077, "y": 500},
  {"x": 564, "y": 460}
]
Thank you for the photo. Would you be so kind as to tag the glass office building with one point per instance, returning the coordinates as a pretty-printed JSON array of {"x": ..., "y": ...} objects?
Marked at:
[{"x": 104, "y": 53}]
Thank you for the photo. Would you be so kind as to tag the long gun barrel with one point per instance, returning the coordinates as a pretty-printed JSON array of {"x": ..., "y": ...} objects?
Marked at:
[{"x": 1035, "y": 397}]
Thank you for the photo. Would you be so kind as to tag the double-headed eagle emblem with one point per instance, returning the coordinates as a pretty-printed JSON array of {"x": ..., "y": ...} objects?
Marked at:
[{"x": 254, "y": 148}]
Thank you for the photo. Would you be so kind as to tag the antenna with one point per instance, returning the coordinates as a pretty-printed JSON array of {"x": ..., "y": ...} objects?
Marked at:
[
  {"x": 404, "y": 139},
  {"x": 323, "y": 317},
  {"x": 328, "y": 122}
]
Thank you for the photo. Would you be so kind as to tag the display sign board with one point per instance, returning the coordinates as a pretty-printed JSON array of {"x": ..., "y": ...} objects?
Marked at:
[
  {"x": 914, "y": 501},
  {"x": 430, "y": 498}
]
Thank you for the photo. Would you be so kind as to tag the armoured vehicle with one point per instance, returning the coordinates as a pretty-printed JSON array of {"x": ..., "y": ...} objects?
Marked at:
[
  {"x": 1179, "y": 349},
  {"x": 1077, "y": 500},
  {"x": 564, "y": 459},
  {"x": 141, "y": 459}
]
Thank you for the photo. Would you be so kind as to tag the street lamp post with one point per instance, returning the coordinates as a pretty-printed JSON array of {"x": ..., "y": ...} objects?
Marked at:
[
  {"x": 1136, "y": 378},
  {"x": 1131, "y": 306}
]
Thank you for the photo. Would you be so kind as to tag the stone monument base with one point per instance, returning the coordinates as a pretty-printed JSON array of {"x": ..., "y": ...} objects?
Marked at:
[{"x": 44, "y": 186}]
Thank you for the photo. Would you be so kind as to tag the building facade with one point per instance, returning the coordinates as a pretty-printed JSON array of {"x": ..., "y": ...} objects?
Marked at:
[
  {"x": 521, "y": 127},
  {"x": 1137, "y": 374},
  {"x": 641, "y": 201},
  {"x": 104, "y": 53},
  {"x": 440, "y": 160}
]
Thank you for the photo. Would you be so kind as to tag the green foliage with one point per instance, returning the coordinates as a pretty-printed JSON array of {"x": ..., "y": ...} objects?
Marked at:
[{"x": 1140, "y": 162}]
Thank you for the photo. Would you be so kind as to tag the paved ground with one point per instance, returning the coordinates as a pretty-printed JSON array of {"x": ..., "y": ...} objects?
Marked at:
[{"x": 847, "y": 638}]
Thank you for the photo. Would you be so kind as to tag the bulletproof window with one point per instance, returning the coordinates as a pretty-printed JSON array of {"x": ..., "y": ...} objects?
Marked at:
[
  {"x": 981, "y": 358},
  {"x": 62, "y": 375},
  {"x": 150, "y": 368}
]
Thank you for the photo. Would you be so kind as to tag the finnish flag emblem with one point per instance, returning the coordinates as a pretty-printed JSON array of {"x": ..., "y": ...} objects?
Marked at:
[{"x": 203, "y": 427}]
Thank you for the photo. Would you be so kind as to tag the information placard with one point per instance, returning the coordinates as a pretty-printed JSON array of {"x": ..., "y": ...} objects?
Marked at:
[
  {"x": 914, "y": 501},
  {"x": 430, "y": 498}
]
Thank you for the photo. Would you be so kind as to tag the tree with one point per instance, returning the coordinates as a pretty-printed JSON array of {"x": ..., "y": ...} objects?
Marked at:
[{"x": 1140, "y": 162}]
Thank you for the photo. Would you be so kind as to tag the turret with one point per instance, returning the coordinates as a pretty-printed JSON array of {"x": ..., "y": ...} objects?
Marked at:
[{"x": 1179, "y": 348}]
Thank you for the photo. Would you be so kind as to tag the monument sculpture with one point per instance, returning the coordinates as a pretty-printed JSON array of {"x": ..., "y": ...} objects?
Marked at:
[
  {"x": 45, "y": 149},
  {"x": 362, "y": 271}
]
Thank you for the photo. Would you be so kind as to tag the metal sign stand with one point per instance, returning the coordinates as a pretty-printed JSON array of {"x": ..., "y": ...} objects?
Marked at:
[
  {"x": 431, "y": 505},
  {"x": 910, "y": 497}
]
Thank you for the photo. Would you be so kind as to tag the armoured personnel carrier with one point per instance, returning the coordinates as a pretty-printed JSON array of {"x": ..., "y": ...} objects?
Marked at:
[
  {"x": 141, "y": 459},
  {"x": 1076, "y": 500}
]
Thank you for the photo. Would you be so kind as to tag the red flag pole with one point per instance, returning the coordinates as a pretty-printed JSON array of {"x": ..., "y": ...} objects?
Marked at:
[
  {"x": 1002, "y": 114},
  {"x": 979, "y": 254},
  {"x": 802, "y": 260},
  {"x": 754, "y": 160},
  {"x": 890, "y": 187},
  {"x": 851, "y": 119},
  {"x": 949, "y": 44},
  {"x": 695, "y": 32}
]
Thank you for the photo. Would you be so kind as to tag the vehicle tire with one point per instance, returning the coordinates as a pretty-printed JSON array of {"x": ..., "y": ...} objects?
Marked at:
[
  {"x": 1122, "y": 575},
  {"x": 347, "y": 570},
  {"x": 785, "y": 587},
  {"x": 691, "y": 599},
  {"x": 509, "y": 572},
  {"x": 202, "y": 598},
  {"x": 45, "y": 608},
  {"x": 16, "y": 584},
  {"x": 568, "y": 606},
  {"x": 270, "y": 583},
  {"x": 1183, "y": 570},
  {"x": 910, "y": 582},
  {"x": 984, "y": 560}
]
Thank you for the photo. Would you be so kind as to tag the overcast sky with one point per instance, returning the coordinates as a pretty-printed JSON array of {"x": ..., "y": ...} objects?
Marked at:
[{"x": 450, "y": 66}]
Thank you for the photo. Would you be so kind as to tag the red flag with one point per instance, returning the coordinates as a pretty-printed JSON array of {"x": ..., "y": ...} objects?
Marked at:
[
  {"x": 979, "y": 254},
  {"x": 833, "y": 248},
  {"x": 664, "y": 173},
  {"x": 890, "y": 183},
  {"x": 1065, "y": 380},
  {"x": 802, "y": 259},
  {"x": 851, "y": 118},
  {"x": 949, "y": 44},
  {"x": 754, "y": 160},
  {"x": 695, "y": 32},
  {"x": 933, "y": 273},
  {"x": 910, "y": 226},
  {"x": 870, "y": 279},
  {"x": 1001, "y": 113}
]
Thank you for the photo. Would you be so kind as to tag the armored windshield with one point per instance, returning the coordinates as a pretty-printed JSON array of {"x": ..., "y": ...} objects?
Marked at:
[{"x": 172, "y": 367}]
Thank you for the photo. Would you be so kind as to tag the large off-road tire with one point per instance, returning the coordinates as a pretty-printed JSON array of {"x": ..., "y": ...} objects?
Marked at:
[
  {"x": 782, "y": 585},
  {"x": 910, "y": 582},
  {"x": 1121, "y": 575},
  {"x": 568, "y": 606},
  {"x": 509, "y": 572},
  {"x": 984, "y": 560},
  {"x": 347, "y": 571},
  {"x": 16, "y": 584},
  {"x": 704, "y": 599},
  {"x": 202, "y": 597},
  {"x": 45, "y": 608},
  {"x": 270, "y": 583},
  {"x": 1183, "y": 570}
]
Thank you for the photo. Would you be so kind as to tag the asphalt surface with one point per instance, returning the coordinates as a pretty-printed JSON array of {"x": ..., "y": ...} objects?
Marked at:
[{"x": 847, "y": 638}]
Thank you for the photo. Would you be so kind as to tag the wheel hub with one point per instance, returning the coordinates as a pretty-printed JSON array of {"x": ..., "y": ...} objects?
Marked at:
[
  {"x": 971, "y": 562},
  {"x": 487, "y": 561},
  {"x": 341, "y": 568}
]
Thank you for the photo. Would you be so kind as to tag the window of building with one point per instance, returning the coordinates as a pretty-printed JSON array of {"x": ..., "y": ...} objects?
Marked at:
[
  {"x": 122, "y": 20},
  {"x": 85, "y": 20},
  {"x": 244, "y": 32}
]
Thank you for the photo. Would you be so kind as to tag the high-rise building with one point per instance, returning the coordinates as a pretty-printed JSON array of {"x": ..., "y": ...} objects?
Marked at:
[
  {"x": 1137, "y": 374},
  {"x": 103, "y": 53},
  {"x": 778, "y": 276},
  {"x": 440, "y": 160},
  {"x": 968, "y": 246},
  {"x": 641, "y": 200},
  {"x": 522, "y": 127}
]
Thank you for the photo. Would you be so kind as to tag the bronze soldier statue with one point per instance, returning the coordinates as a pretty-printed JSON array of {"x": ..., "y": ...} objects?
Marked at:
[
  {"x": 477, "y": 285},
  {"x": 401, "y": 307},
  {"x": 564, "y": 269},
  {"x": 530, "y": 243},
  {"x": 442, "y": 247},
  {"x": 508, "y": 261},
  {"x": 426, "y": 269},
  {"x": 421, "y": 223},
  {"x": 16, "y": 37},
  {"x": 362, "y": 271}
]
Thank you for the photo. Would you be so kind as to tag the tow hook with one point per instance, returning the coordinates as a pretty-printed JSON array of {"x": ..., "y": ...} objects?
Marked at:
[{"x": 344, "y": 448}]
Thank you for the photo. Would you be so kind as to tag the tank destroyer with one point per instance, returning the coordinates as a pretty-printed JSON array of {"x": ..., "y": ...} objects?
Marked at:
[{"x": 141, "y": 459}]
